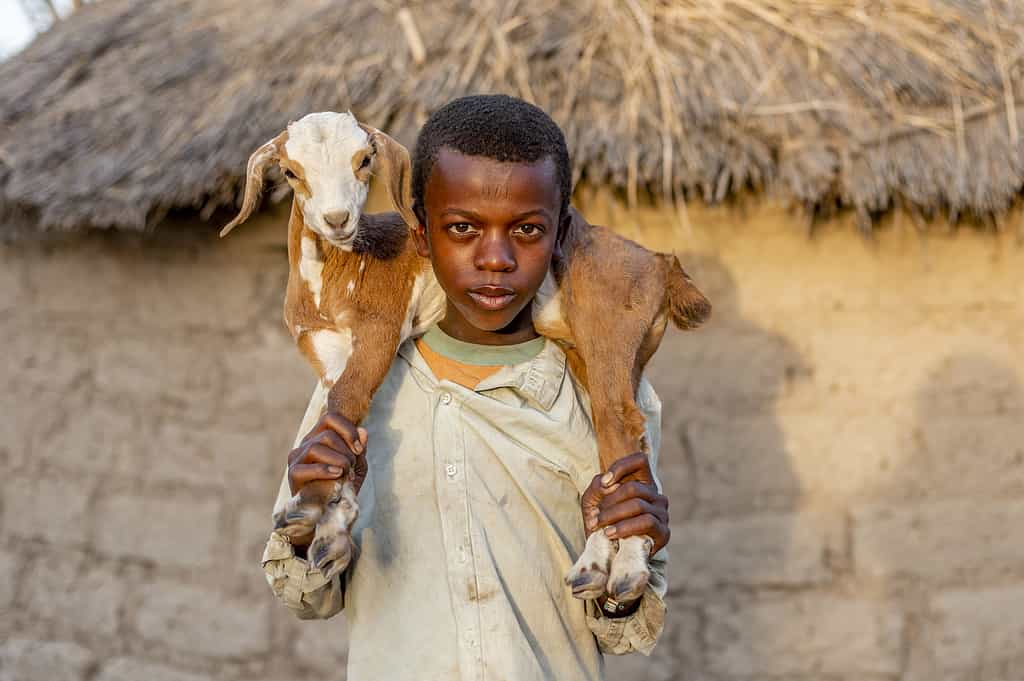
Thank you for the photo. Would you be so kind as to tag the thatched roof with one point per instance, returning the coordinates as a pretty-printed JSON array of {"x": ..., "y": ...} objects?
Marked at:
[{"x": 129, "y": 109}]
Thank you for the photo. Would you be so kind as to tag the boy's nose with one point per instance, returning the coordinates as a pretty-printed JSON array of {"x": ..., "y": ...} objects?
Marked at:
[{"x": 495, "y": 255}]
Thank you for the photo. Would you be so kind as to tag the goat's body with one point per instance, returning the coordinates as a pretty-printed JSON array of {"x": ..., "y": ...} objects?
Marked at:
[
  {"x": 365, "y": 300},
  {"x": 348, "y": 312}
]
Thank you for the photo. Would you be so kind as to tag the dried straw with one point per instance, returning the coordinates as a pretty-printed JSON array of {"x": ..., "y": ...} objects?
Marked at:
[{"x": 131, "y": 109}]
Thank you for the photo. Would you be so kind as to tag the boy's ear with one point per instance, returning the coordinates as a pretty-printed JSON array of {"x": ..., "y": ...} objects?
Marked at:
[{"x": 419, "y": 237}]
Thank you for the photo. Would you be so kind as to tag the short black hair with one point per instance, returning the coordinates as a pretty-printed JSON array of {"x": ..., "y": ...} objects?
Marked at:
[{"x": 498, "y": 127}]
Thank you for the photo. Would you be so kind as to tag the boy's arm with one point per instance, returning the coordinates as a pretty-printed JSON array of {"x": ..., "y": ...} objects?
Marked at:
[
  {"x": 303, "y": 589},
  {"x": 640, "y": 630}
]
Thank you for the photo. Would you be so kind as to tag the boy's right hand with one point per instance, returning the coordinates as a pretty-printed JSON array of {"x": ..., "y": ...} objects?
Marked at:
[{"x": 327, "y": 452}]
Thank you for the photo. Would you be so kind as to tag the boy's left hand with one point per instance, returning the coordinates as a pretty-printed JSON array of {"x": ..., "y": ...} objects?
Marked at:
[{"x": 633, "y": 507}]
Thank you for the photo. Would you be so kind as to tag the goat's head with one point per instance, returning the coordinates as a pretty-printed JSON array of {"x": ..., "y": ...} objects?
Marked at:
[{"x": 328, "y": 158}]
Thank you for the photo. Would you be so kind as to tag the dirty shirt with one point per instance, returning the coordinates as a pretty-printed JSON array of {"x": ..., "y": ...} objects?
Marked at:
[{"x": 469, "y": 519}]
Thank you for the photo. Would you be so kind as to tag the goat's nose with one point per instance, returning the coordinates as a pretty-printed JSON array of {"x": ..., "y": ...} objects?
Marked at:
[{"x": 336, "y": 219}]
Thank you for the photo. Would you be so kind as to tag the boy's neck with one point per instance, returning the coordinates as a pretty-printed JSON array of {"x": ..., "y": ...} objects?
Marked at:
[
  {"x": 520, "y": 330},
  {"x": 443, "y": 345}
]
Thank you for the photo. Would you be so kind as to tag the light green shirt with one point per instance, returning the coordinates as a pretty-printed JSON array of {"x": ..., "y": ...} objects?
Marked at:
[{"x": 469, "y": 520}]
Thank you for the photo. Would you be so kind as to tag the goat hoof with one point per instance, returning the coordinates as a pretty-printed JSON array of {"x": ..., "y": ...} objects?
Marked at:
[
  {"x": 294, "y": 521},
  {"x": 629, "y": 587},
  {"x": 589, "y": 575},
  {"x": 588, "y": 582},
  {"x": 330, "y": 555},
  {"x": 630, "y": 573}
]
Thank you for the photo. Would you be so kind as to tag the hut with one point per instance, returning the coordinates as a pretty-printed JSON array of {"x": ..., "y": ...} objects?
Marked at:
[{"x": 842, "y": 444}]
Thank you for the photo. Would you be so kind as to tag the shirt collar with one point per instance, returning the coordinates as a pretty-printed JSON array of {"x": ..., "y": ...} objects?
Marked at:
[{"x": 538, "y": 380}]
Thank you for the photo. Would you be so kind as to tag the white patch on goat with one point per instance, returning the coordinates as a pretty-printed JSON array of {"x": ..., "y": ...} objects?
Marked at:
[
  {"x": 629, "y": 575},
  {"x": 362, "y": 263},
  {"x": 548, "y": 311},
  {"x": 340, "y": 516},
  {"x": 351, "y": 287},
  {"x": 589, "y": 575},
  {"x": 324, "y": 144},
  {"x": 311, "y": 268},
  {"x": 332, "y": 349},
  {"x": 426, "y": 305}
]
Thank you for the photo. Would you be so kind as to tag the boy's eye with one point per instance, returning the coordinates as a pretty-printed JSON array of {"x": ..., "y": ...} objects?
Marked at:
[
  {"x": 530, "y": 229},
  {"x": 289, "y": 174},
  {"x": 461, "y": 228}
]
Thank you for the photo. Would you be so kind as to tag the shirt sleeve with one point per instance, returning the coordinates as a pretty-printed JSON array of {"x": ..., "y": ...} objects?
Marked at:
[
  {"x": 302, "y": 588},
  {"x": 641, "y": 630}
]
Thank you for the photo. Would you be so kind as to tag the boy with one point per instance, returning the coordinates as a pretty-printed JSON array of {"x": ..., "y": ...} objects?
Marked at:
[{"x": 483, "y": 453}]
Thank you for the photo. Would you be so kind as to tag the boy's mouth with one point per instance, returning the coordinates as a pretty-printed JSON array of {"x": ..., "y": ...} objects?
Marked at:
[{"x": 492, "y": 297}]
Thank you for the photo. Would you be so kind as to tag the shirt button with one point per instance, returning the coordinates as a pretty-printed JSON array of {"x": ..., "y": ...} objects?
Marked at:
[
  {"x": 446, "y": 398},
  {"x": 450, "y": 469}
]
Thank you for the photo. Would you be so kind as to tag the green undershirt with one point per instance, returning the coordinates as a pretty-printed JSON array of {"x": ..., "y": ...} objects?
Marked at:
[{"x": 481, "y": 355}]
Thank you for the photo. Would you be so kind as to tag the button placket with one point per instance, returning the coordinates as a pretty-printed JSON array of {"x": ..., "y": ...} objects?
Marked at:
[{"x": 450, "y": 467}]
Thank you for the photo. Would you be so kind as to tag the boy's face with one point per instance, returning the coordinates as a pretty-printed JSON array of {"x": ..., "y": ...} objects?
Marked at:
[{"x": 490, "y": 232}]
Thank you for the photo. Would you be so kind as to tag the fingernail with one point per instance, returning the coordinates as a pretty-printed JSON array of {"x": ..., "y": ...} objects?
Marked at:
[
  {"x": 358, "y": 446},
  {"x": 609, "y": 531},
  {"x": 334, "y": 470},
  {"x": 607, "y": 478}
]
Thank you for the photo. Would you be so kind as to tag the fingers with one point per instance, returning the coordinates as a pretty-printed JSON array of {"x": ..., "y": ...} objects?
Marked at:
[
  {"x": 635, "y": 465},
  {"x": 319, "y": 453},
  {"x": 632, "y": 490},
  {"x": 328, "y": 452},
  {"x": 630, "y": 509},
  {"x": 639, "y": 525},
  {"x": 354, "y": 438},
  {"x": 301, "y": 474}
]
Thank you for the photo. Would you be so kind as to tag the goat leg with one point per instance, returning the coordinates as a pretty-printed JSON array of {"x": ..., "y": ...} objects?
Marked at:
[
  {"x": 616, "y": 567},
  {"x": 331, "y": 549},
  {"x": 374, "y": 346},
  {"x": 616, "y": 323}
]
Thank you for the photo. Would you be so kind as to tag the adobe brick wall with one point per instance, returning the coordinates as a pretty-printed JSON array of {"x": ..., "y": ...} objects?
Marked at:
[{"x": 843, "y": 449}]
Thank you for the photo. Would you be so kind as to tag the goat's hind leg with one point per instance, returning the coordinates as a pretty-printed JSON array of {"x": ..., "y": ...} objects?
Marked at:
[{"x": 611, "y": 318}]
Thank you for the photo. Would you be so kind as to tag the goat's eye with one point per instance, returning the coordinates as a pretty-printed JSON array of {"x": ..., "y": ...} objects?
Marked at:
[
  {"x": 365, "y": 163},
  {"x": 289, "y": 174}
]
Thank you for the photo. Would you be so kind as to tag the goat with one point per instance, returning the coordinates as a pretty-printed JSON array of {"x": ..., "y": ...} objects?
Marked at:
[{"x": 357, "y": 290}]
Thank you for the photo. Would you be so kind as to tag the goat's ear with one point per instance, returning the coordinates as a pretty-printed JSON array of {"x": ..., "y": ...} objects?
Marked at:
[
  {"x": 396, "y": 171},
  {"x": 688, "y": 308},
  {"x": 570, "y": 226},
  {"x": 258, "y": 162}
]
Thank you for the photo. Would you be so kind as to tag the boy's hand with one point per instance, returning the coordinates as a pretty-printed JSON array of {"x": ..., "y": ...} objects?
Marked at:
[
  {"x": 626, "y": 509},
  {"x": 328, "y": 452}
]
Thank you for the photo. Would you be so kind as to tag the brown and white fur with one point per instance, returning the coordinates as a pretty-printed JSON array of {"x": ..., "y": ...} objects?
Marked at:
[{"x": 357, "y": 290}]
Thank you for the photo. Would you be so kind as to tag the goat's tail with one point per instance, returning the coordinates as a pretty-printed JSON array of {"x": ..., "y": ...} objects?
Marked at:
[{"x": 687, "y": 306}]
